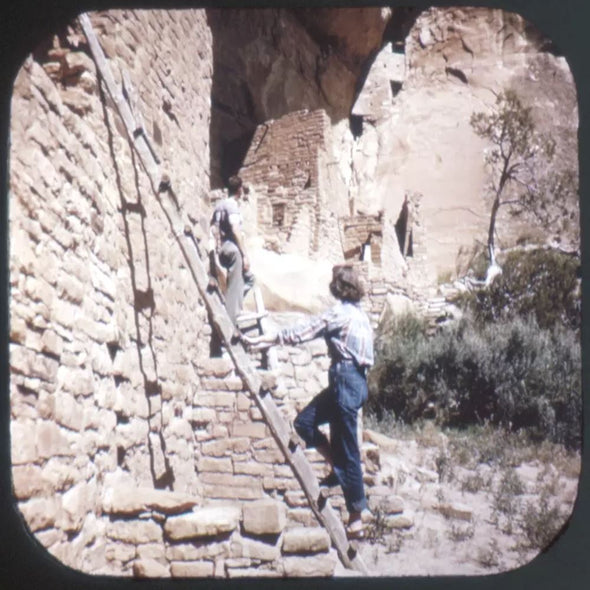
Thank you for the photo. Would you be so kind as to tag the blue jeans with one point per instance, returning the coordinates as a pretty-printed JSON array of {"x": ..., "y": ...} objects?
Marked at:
[{"x": 338, "y": 405}]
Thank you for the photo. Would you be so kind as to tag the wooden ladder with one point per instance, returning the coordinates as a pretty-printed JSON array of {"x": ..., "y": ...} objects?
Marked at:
[{"x": 287, "y": 440}]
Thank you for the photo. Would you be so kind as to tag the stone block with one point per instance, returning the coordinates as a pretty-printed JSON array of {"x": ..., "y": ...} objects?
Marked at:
[
  {"x": 269, "y": 456},
  {"x": 226, "y": 417},
  {"x": 197, "y": 550},
  {"x": 218, "y": 448},
  {"x": 41, "y": 513},
  {"x": 76, "y": 62},
  {"x": 302, "y": 516},
  {"x": 68, "y": 411},
  {"x": 237, "y": 562},
  {"x": 218, "y": 399},
  {"x": 254, "y": 549},
  {"x": 50, "y": 441},
  {"x": 455, "y": 510},
  {"x": 306, "y": 540},
  {"x": 75, "y": 504},
  {"x": 252, "y": 572},
  {"x": 218, "y": 465},
  {"x": 215, "y": 367},
  {"x": 320, "y": 565},
  {"x": 203, "y": 522},
  {"x": 59, "y": 475},
  {"x": 264, "y": 517},
  {"x": 70, "y": 289},
  {"x": 155, "y": 551},
  {"x": 31, "y": 364},
  {"x": 18, "y": 330},
  {"x": 23, "y": 448},
  {"x": 399, "y": 521},
  {"x": 233, "y": 384},
  {"x": 27, "y": 482},
  {"x": 119, "y": 553},
  {"x": 383, "y": 442},
  {"x": 134, "y": 532},
  {"x": 51, "y": 343},
  {"x": 76, "y": 381},
  {"x": 255, "y": 414},
  {"x": 127, "y": 500},
  {"x": 301, "y": 358},
  {"x": 249, "y": 429},
  {"x": 243, "y": 402},
  {"x": 295, "y": 499},
  {"x": 371, "y": 457},
  {"x": 192, "y": 569},
  {"x": 385, "y": 504},
  {"x": 248, "y": 467},
  {"x": 227, "y": 482},
  {"x": 150, "y": 568},
  {"x": 282, "y": 484},
  {"x": 203, "y": 416}
]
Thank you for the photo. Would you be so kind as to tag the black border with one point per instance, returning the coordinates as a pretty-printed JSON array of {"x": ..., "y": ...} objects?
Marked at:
[{"x": 25, "y": 564}]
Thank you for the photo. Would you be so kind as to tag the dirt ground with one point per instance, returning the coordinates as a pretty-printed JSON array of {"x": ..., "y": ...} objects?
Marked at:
[{"x": 473, "y": 519}]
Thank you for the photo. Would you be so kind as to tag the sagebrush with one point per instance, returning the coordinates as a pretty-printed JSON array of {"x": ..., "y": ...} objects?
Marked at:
[{"x": 513, "y": 374}]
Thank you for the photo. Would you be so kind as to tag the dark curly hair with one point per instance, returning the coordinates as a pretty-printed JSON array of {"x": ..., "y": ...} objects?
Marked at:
[{"x": 346, "y": 284}]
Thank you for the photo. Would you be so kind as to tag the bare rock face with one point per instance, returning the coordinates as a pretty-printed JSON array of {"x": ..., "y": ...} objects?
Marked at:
[
  {"x": 271, "y": 62},
  {"x": 419, "y": 140},
  {"x": 350, "y": 34}
]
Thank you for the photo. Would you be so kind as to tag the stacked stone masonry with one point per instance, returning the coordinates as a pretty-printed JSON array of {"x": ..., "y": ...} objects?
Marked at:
[
  {"x": 283, "y": 164},
  {"x": 133, "y": 452}
]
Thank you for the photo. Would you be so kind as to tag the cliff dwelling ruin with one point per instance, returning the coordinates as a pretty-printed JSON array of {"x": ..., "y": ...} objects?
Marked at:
[{"x": 133, "y": 451}]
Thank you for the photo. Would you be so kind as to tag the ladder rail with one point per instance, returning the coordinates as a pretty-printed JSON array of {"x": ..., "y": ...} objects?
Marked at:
[{"x": 189, "y": 244}]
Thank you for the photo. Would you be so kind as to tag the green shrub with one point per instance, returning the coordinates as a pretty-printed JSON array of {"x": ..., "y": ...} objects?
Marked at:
[
  {"x": 509, "y": 373},
  {"x": 541, "y": 522},
  {"x": 543, "y": 283}
]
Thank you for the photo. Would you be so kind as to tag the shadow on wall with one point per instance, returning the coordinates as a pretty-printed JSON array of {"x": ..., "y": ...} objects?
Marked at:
[
  {"x": 233, "y": 116},
  {"x": 144, "y": 305}
]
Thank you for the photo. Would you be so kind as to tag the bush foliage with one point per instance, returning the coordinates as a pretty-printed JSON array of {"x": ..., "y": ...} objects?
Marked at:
[
  {"x": 541, "y": 282},
  {"x": 513, "y": 373}
]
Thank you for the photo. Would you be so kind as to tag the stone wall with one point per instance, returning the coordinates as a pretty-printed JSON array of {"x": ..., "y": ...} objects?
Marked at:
[
  {"x": 133, "y": 452},
  {"x": 249, "y": 516},
  {"x": 285, "y": 165}
]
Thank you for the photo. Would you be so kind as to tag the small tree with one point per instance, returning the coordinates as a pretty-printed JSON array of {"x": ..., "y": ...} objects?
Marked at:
[{"x": 519, "y": 165}]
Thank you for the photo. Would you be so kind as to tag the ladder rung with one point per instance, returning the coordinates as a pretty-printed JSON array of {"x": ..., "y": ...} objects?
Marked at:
[{"x": 251, "y": 316}]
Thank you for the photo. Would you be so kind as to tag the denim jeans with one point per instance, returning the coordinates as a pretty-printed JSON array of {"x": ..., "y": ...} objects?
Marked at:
[{"x": 338, "y": 405}]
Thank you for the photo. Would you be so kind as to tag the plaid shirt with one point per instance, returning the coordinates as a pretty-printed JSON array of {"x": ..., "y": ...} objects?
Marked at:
[{"x": 346, "y": 329}]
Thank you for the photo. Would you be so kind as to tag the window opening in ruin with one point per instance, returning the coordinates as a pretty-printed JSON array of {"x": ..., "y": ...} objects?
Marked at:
[
  {"x": 278, "y": 214},
  {"x": 120, "y": 456},
  {"x": 401, "y": 226},
  {"x": 395, "y": 87},
  {"x": 356, "y": 125},
  {"x": 366, "y": 250}
]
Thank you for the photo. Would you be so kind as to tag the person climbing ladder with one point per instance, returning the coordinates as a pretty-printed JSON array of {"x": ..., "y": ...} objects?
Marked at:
[
  {"x": 226, "y": 245},
  {"x": 349, "y": 337}
]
